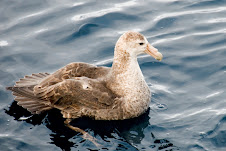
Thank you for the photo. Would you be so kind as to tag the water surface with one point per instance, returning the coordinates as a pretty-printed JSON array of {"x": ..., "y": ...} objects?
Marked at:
[{"x": 187, "y": 111}]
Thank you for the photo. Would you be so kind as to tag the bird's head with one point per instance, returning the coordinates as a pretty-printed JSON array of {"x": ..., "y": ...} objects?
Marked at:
[{"x": 135, "y": 44}]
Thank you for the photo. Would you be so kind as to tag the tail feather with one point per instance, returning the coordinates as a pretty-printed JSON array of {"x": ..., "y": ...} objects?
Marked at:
[
  {"x": 32, "y": 80},
  {"x": 27, "y": 103},
  {"x": 21, "y": 98},
  {"x": 23, "y": 90}
]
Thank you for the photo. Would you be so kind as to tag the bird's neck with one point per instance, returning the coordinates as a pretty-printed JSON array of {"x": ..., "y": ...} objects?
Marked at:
[
  {"x": 122, "y": 62},
  {"x": 127, "y": 81},
  {"x": 126, "y": 75}
]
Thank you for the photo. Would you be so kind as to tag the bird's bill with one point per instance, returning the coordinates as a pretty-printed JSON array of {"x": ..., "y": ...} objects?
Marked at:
[{"x": 153, "y": 52}]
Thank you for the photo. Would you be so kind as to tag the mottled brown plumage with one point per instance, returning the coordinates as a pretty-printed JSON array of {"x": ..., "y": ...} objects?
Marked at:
[{"x": 81, "y": 89}]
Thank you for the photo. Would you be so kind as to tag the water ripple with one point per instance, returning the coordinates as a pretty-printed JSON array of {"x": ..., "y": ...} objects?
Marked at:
[
  {"x": 199, "y": 11},
  {"x": 115, "y": 8},
  {"x": 187, "y": 110}
]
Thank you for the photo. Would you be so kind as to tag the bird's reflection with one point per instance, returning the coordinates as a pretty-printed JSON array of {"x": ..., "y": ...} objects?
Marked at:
[{"x": 130, "y": 131}]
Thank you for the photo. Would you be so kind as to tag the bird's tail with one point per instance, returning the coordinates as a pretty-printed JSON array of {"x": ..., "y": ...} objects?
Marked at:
[{"x": 23, "y": 92}]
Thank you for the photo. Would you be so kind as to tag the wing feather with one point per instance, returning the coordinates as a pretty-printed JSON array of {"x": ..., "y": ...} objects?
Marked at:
[
  {"x": 71, "y": 89},
  {"x": 82, "y": 92},
  {"x": 23, "y": 90},
  {"x": 72, "y": 70}
]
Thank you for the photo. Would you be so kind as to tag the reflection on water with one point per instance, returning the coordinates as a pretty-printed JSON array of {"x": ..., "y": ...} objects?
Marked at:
[
  {"x": 187, "y": 111},
  {"x": 131, "y": 131}
]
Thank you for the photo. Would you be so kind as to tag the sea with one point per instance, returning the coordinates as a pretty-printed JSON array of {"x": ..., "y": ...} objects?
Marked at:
[{"x": 188, "y": 106}]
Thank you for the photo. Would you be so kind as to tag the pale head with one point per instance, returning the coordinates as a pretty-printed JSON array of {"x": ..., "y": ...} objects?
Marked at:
[{"x": 135, "y": 44}]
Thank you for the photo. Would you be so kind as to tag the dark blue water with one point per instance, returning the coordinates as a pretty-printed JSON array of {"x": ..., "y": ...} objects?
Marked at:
[{"x": 188, "y": 108}]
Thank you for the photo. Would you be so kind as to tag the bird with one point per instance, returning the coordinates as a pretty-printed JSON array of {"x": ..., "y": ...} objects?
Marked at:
[{"x": 84, "y": 90}]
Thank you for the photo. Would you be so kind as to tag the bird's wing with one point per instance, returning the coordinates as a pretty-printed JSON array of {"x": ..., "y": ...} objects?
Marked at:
[
  {"x": 73, "y": 95},
  {"x": 74, "y": 70},
  {"x": 70, "y": 95},
  {"x": 39, "y": 92}
]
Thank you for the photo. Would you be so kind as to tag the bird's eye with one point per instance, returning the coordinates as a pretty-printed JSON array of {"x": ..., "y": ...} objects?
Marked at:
[{"x": 141, "y": 43}]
